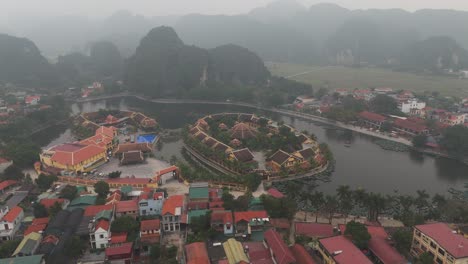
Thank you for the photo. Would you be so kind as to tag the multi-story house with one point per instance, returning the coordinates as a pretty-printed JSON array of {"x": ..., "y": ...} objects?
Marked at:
[
  {"x": 100, "y": 234},
  {"x": 151, "y": 203},
  {"x": 11, "y": 221},
  {"x": 441, "y": 242},
  {"x": 173, "y": 213},
  {"x": 100, "y": 219},
  {"x": 340, "y": 250},
  {"x": 129, "y": 208},
  {"x": 411, "y": 106},
  {"x": 453, "y": 119}
]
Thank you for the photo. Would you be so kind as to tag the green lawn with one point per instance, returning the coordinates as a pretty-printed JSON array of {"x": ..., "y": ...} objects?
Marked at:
[{"x": 351, "y": 78}]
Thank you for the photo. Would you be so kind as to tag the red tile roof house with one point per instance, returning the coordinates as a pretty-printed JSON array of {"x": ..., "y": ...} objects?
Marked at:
[
  {"x": 118, "y": 239},
  {"x": 410, "y": 127},
  {"x": 278, "y": 249},
  {"x": 258, "y": 253},
  {"x": 48, "y": 203},
  {"x": 372, "y": 119},
  {"x": 150, "y": 233},
  {"x": 275, "y": 193},
  {"x": 249, "y": 221},
  {"x": 101, "y": 217},
  {"x": 37, "y": 225},
  {"x": 340, "y": 250},
  {"x": 313, "y": 230},
  {"x": 10, "y": 222},
  {"x": 5, "y": 185},
  {"x": 445, "y": 244},
  {"x": 221, "y": 221},
  {"x": 196, "y": 253},
  {"x": 173, "y": 213},
  {"x": 301, "y": 255},
  {"x": 380, "y": 247},
  {"x": 120, "y": 254},
  {"x": 129, "y": 208}
]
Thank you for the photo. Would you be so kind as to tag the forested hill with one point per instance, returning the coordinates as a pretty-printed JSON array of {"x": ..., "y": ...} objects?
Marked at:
[
  {"x": 22, "y": 63},
  {"x": 164, "y": 66}
]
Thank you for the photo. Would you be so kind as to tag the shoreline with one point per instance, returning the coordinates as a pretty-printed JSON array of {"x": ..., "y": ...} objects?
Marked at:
[{"x": 308, "y": 117}]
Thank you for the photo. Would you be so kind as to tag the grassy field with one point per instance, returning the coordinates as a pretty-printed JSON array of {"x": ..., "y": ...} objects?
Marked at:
[{"x": 351, "y": 78}]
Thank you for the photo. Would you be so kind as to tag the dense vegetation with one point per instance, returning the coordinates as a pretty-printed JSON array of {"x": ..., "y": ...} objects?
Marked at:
[
  {"x": 164, "y": 66},
  {"x": 21, "y": 62},
  {"x": 16, "y": 138},
  {"x": 104, "y": 62},
  {"x": 410, "y": 209}
]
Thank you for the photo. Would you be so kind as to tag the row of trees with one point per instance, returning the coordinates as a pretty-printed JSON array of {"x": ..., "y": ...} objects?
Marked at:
[{"x": 409, "y": 209}]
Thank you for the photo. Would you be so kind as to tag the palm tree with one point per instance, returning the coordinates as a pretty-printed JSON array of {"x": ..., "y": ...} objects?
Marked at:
[
  {"x": 421, "y": 200},
  {"x": 359, "y": 196},
  {"x": 330, "y": 206},
  {"x": 316, "y": 203},
  {"x": 345, "y": 200},
  {"x": 376, "y": 203}
]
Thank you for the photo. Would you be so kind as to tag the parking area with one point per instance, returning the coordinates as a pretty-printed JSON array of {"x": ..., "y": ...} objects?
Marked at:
[{"x": 144, "y": 170}]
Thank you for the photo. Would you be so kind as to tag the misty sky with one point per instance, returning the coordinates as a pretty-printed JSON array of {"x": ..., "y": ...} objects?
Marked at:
[{"x": 98, "y": 8}]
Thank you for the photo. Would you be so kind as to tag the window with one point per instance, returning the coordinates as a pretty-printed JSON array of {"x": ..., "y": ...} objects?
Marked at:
[
  {"x": 433, "y": 245},
  {"x": 441, "y": 251},
  {"x": 101, "y": 236},
  {"x": 439, "y": 261}
]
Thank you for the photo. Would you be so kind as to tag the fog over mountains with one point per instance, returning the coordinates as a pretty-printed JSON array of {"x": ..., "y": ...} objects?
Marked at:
[{"x": 284, "y": 31}]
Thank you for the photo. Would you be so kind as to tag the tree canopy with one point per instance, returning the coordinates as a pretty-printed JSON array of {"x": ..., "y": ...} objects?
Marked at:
[
  {"x": 384, "y": 104},
  {"x": 358, "y": 233},
  {"x": 101, "y": 188}
]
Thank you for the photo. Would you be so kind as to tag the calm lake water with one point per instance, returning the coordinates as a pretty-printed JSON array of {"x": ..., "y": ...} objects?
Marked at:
[{"x": 363, "y": 164}]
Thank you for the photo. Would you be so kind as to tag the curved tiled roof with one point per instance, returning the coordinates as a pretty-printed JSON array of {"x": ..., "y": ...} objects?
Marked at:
[
  {"x": 74, "y": 153},
  {"x": 242, "y": 131}
]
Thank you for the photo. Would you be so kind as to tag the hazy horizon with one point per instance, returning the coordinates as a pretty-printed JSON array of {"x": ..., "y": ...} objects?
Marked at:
[{"x": 19, "y": 9}]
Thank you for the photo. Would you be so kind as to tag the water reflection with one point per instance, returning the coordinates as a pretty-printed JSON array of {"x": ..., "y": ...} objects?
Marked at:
[
  {"x": 416, "y": 156},
  {"x": 451, "y": 170}
]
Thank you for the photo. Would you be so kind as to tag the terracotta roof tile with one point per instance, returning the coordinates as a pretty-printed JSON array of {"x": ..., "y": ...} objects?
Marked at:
[
  {"x": 171, "y": 203},
  {"x": 147, "y": 225},
  {"x": 118, "y": 238},
  {"x": 249, "y": 215},
  {"x": 196, "y": 253},
  {"x": 372, "y": 116},
  {"x": 275, "y": 193},
  {"x": 314, "y": 229},
  {"x": 104, "y": 224},
  {"x": 301, "y": 255},
  {"x": 74, "y": 153},
  {"x": 126, "y": 206},
  {"x": 93, "y": 210},
  {"x": 12, "y": 214},
  {"x": 350, "y": 254},
  {"x": 120, "y": 250},
  {"x": 282, "y": 253},
  {"x": 7, "y": 183},
  {"x": 455, "y": 244}
]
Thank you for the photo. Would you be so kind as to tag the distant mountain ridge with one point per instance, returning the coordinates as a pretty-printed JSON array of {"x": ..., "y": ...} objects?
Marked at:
[
  {"x": 21, "y": 63},
  {"x": 283, "y": 31}
]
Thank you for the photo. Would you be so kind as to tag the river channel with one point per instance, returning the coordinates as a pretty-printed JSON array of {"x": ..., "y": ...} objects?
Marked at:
[{"x": 362, "y": 163}]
